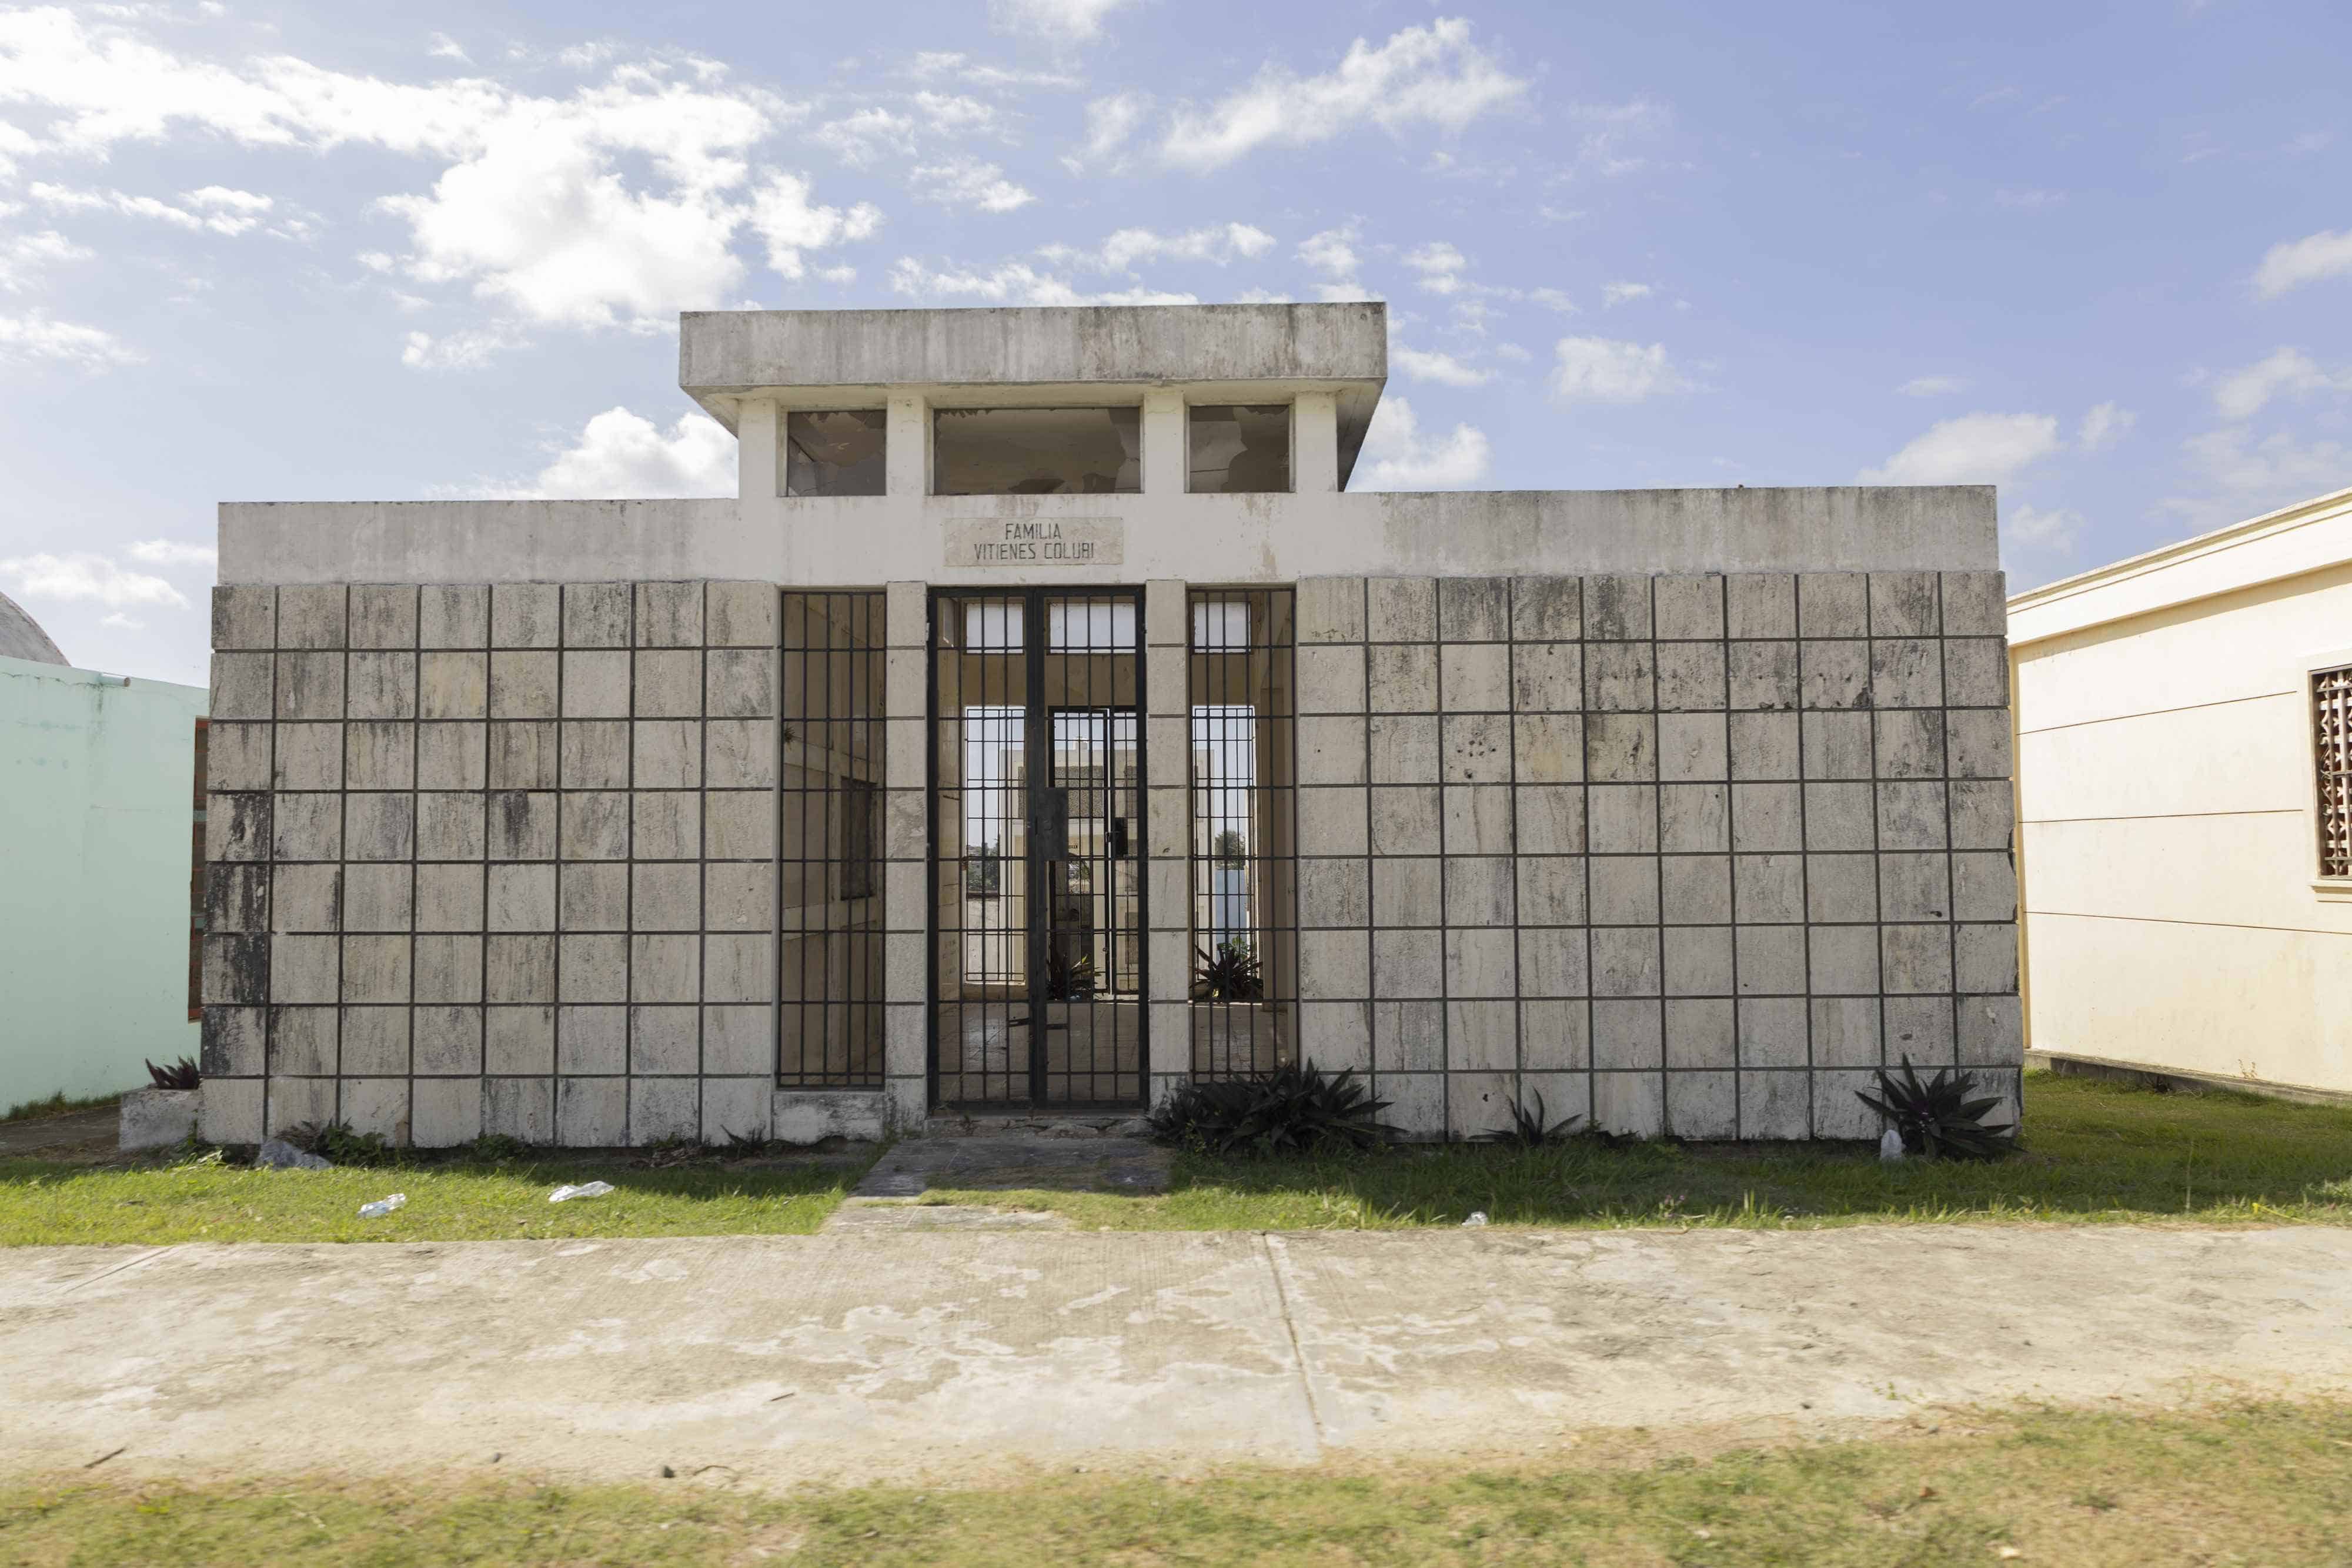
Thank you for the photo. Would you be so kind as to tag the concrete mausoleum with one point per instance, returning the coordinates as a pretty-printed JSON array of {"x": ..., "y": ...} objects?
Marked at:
[{"x": 1045, "y": 720}]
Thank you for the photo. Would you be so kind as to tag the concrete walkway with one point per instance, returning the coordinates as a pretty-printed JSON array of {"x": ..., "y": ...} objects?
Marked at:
[{"x": 886, "y": 1354}]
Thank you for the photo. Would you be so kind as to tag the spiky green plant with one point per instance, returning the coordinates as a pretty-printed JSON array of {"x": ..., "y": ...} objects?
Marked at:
[
  {"x": 1937, "y": 1118},
  {"x": 1232, "y": 976},
  {"x": 1294, "y": 1109},
  {"x": 180, "y": 1074},
  {"x": 1529, "y": 1130}
]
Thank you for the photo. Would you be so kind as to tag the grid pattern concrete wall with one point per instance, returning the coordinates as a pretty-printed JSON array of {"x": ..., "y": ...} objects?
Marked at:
[
  {"x": 492, "y": 859},
  {"x": 1687, "y": 854}
]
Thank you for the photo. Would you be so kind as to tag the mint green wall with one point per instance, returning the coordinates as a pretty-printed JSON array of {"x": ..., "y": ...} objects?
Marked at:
[{"x": 96, "y": 776}]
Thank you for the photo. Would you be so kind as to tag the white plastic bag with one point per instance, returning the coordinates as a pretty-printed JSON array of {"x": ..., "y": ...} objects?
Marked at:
[
  {"x": 383, "y": 1205},
  {"x": 1890, "y": 1145},
  {"x": 1478, "y": 1218},
  {"x": 585, "y": 1189}
]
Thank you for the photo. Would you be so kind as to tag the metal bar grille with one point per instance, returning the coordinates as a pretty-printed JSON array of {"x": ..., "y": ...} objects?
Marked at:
[
  {"x": 2331, "y": 714},
  {"x": 1038, "y": 958},
  {"x": 1245, "y": 847},
  {"x": 829, "y": 938}
]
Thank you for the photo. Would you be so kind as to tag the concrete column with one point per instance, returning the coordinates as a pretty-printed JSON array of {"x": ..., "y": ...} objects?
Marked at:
[
  {"x": 1315, "y": 444},
  {"x": 1165, "y": 455},
  {"x": 909, "y": 443},
  {"x": 1167, "y": 828},
  {"x": 758, "y": 429},
  {"x": 907, "y": 903}
]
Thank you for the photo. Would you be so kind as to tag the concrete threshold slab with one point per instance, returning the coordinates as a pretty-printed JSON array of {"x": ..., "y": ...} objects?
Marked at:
[
  {"x": 884, "y": 1355},
  {"x": 888, "y": 1197}
]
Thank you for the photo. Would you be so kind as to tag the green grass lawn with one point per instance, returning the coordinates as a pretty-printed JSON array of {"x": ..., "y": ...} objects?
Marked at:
[
  {"x": 2268, "y": 1484},
  {"x": 44, "y": 1203},
  {"x": 2094, "y": 1151}
]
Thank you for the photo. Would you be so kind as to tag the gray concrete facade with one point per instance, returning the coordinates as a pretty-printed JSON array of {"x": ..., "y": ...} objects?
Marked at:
[{"x": 1681, "y": 809}]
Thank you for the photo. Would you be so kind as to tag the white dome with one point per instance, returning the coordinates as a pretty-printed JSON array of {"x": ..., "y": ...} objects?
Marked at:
[{"x": 21, "y": 636}]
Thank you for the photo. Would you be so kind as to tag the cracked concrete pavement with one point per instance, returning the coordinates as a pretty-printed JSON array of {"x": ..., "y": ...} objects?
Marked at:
[{"x": 879, "y": 1355}]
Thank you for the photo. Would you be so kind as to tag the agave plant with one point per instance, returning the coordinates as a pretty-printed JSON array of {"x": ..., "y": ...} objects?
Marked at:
[
  {"x": 1937, "y": 1118},
  {"x": 180, "y": 1074},
  {"x": 1069, "y": 980},
  {"x": 1529, "y": 1130},
  {"x": 1294, "y": 1109},
  {"x": 1232, "y": 976}
]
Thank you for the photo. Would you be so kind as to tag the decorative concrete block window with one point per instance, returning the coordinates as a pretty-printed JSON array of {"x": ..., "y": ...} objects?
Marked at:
[
  {"x": 2331, "y": 736},
  {"x": 834, "y": 451},
  {"x": 1239, "y": 449},
  {"x": 1037, "y": 451}
]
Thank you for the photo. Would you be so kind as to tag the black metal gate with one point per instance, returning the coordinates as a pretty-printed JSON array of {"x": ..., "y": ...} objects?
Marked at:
[{"x": 1036, "y": 796}]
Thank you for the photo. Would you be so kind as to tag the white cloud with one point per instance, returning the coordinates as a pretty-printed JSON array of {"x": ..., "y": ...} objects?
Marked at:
[
  {"x": 1216, "y": 243},
  {"x": 1624, "y": 293},
  {"x": 469, "y": 349},
  {"x": 864, "y": 137},
  {"x": 1014, "y": 283},
  {"x": 171, "y": 552},
  {"x": 2245, "y": 478},
  {"x": 22, "y": 256},
  {"x": 784, "y": 214},
  {"x": 86, "y": 577},
  {"x": 1398, "y": 457},
  {"x": 41, "y": 337},
  {"x": 232, "y": 222},
  {"x": 2285, "y": 372},
  {"x": 1333, "y": 251},
  {"x": 2311, "y": 259},
  {"x": 1421, "y": 75},
  {"x": 1603, "y": 370},
  {"x": 1423, "y": 365},
  {"x": 1974, "y": 449},
  {"x": 932, "y": 64},
  {"x": 1601, "y": 150},
  {"x": 1932, "y": 386},
  {"x": 442, "y": 47},
  {"x": 624, "y": 454},
  {"x": 1057, "y": 21},
  {"x": 617, "y": 203},
  {"x": 955, "y": 114},
  {"x": 1440, "y": 264},
  {"x": 2051, "y": 530},
  {"x": 2028, "y": 199},
  {"x": 1110, "y": 121},
  {"x": 2103, "y": 426},
  {"x": 967, "y": 183}
]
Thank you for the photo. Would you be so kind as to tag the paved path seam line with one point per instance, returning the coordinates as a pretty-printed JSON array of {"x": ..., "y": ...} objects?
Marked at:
[{"x": 1278, "y": 1264}]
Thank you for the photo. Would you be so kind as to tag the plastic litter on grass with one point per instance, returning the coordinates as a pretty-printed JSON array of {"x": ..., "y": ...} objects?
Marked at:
[
  {"x": 565, "y": 1194},
  {"x": 383, "y": 1205}
]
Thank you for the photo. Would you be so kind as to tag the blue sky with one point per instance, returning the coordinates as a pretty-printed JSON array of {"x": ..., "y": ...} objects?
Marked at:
[{"x": 2100, "y": 254}]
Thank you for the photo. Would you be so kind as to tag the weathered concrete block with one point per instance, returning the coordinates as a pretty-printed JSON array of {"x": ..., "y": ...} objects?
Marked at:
[
  {"x": 1694, "y": 819},
  {"x": 1920, "y": 1028},
  {"x": 1697, "y": 960},
  {"x": 1624, "y": 819},
  {"x": 374, "y": 969},
  {"x": 1832, "y": 604},
  {"x": 1331, "y": 750},
  {"x": 665, "y": 968},
  {"x": 237, "y": 757},
  {"x": 740, "y": 683},
  {"x": 1760, "y": 604},
  {"x": 1693, "y": 747},
  {"x": 380, "y": 827},
  {"x": 1910, "y": 745},
  {"x": 668, "y": 684},
  {"x": 449, "y": 897},
  {"x": 383, "y": 615},
  {"x": 1980, "y": 742},
  {"x": 519, "y": 1108},
  {"x": 1404, "y": 964},
  {"x": 1401, "y": 609},
  {"x": 1701, "y": 1106},
  {"x": 518, "y": 968},
  {"x": 1838, "y": 1112},
  {"x": 1841, "y": 816},
  {"x": 1907, "y": 671},
  {"x": 1771, "y": 889},
  {"x": 1911, "y": 886},
  {"x": 1476, "y": 748},
  {"x": 1844, "y": 959},
  {"x": 1330, "y": 610},
  {"x": 1626, "y": 960},
  {"x": 245, "y": 617},
  {"x": 592, "y": 1113},
  {"x": 524, "y": 684},
  {"x": 735, "y": 825},
  {"x": 1902, "y": 604},
  {"x": 1984, "y": 886},
  {"x": 452, "y": 757},
  {"x": 1621, "y": 678},
  {"x": 517, "y": 1039},
  {"x": 669, "y": 614},
  {"x": 522, "y": 898},
  {"x": 1836, "y": 745},
  {"x": 1775, "y": 1104},
  {"x": 308, "y": 686},
  {"x": 668, "y": 754},
  {"x": 810, "y": 1116},
  {"x": 1764, "y": 745},
  {"x": 1477, "y": 818},
  {"x": 1335, "y": 965},
  {"x": 1478, "y": 891},
  {"x": 524, "y": 755},
  {"x": 1555, "y": 1036},
  {"x": 1688, "y": 607},
  {"x": 1402, "y": 677},
  {"x": 1984, "y": 958},
  {"x": 590, "y": 1039},
  {"x": 1417, "y": 1100},
  {"x": 1405, "y": 819},
  {"x": 453, "y": 616},
  {"x": 665, "y": 1040},
  {"x": 451, "y": 826},
  {"x": 1550, "y": 891},
  {"x": 1401, "y": 748},
  {"x": 1766, "y": 818},
  {"x": 663, "y": 1108},
  {"x": 1330, "y": 679},
  {"x": 526, "y": 615},
  {"x": 736, "y": 1108},
  {"x": 312, "y": 615},
  {"x": 235, "y": 968},
  {"x": 453, "y": 686},
  {"x": 446, "y": 1112},
  {"x": 1691, "y": 677},
  {"x": 1772, "y": 1031},
  {"x": 1547, "y": 609},
  {"x": 1975, "y": 604},
  {"x": 377, "y": 1105},
  {"x": 306, "y": 898},
  {"x": 229, "y": 1110},
  {"x": 1481, "y": 963},
  {"x": 1621, "y": 747},
  {"x": 1408, "y": 1036},
  {"x": 309, "y": 756},
  {"x": 742, "y": 753},
  {"x": 596, "y": 614},
  {"x": 1617, "y": 608},
  {"x": 592, "y": 967},
  {"x": 376, "y": 898},
  {"x": 1761, "y": 677},
  {"x": 906, "y": 607},
  {"x": 1475, "y": 677},
  {"x": 741, "y": 614},
  {"x": 379, "y": 754},
  {"x": 594, "y": 897},
  {"x": 1702, "y": 1032},
  {"x": 1845, "y": 1031},
  {"x": 661, "y": 898},
  {"x": 234, "y": 1042},
  {"x": 380, "y": 685},
  {"x": 302, "y": 968},
  {"x": 448, "y": 969},
  {"x": 1482, "y": 1036},
  {"x": 1473, "y": 609},
  {"x": 1771, "y": 959},
  {"x": 156, "y": 1118},
  {"x": 302, "y": 1041},
  {"x": 739, "y": 1038},
  {"x": 1628, "y": 1034},
  {"x": 1844, "y": 887},
  {"x": 1404, "y": 892},
  {"x": 374, "y": 1042}
]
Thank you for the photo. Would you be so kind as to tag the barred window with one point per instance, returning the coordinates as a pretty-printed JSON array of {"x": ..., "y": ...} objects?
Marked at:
[{"x": 2331, "y": 717}]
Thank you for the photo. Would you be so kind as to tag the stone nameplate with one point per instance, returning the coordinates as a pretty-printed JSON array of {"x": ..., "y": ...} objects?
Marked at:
[{"x": 1039, "y": 541}]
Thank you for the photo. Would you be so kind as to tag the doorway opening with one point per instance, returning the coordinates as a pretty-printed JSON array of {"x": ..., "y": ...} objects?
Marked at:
[{"x": 1036, "y": 794}]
